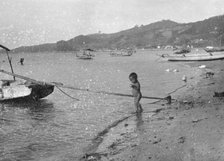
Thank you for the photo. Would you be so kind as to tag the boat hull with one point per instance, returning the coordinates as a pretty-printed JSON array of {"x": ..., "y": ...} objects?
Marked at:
[
  {"x": 119, "y": 54},
  {"x": 24, "y": 91},
  {"x": 40, "y": 91},
  {"x": 85, "y": 54},
  {"x": 197, "y": 57},
  {"x": 85, "y": 57}
]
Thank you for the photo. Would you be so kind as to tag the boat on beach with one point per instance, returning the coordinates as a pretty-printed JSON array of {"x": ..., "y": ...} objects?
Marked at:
[
  {"x": 214, "y": 49},
  {"x": 24, "y": 90},
  {"x": 195, "y": 57}
]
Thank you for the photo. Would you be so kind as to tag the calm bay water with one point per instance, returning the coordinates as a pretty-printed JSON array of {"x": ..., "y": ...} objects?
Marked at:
[{"x": 57, "y": 128}]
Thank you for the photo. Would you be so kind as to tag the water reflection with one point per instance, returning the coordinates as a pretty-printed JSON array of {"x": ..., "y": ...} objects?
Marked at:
[
  {"x": 24, "y": 124},
  {"x": 36, "y": 110},
  {"x": 139, "y": 120},
  {"x": 33, "y": 129},
  {"x": 26, "y": 104},
  {"x": 42, "y": 110}
]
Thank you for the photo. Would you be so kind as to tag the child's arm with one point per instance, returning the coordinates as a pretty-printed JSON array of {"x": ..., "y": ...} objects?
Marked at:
[
  {"x": 135, "y": 86},
  {"x": 132, "y": 85}
]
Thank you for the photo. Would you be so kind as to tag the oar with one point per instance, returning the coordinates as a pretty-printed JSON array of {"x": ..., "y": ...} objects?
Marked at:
[{"x": 168, "y": 98}]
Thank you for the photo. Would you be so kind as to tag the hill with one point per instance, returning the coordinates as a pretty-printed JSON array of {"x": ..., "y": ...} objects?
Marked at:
[{"x": 199, "y": 34}]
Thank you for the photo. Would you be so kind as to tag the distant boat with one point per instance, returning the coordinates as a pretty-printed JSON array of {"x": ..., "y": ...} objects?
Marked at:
[
  {"x": 195, "y": 57},
  {"x": 128, "y": 52},
  {"x": 85, "y": 54},
  {"x": 182, "y": 51},
  {"x": 214, "y": 49},
  {"x": 28, "y": 89}
]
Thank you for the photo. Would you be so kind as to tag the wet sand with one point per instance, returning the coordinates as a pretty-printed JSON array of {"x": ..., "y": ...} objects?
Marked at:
[{"x": 191, "y": 128}]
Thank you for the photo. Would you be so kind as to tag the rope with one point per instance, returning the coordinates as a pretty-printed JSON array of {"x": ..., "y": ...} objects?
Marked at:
[
  {"x": 168, "y": 94},
  {"x": 158, "y": 59},
  {"x": 58, "y": 84},
  {"x": 154, "y": 102},
  {"x": 66, "y": 93},
  {"x": 101, "y": 92},
  {"x": 160, "y": 56},
  {"x": 177, "y": 89}
]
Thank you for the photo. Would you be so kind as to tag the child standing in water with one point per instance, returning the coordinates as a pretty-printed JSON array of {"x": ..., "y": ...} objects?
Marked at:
[{"x": 136, "y": 91}]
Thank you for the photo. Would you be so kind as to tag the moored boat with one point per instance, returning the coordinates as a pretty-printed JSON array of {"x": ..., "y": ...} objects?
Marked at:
[
  {"x": 196, "y": 57},
  {"x": 85, "y": 54},
  {"x": 128, "y": 52},
  {"x": 18, "y": 90},
  {"x": 214, "y": 49},
  {"x": 27, "y": 89},
  {"x": 182, "y": 51}
]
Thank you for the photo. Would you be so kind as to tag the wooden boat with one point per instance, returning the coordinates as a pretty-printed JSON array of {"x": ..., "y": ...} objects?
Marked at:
[
  {"x": 121, "y": 53},
  {"x": 196, "y": 57},
  {"x": 85, "y": 57},
  {"x": 214, "y": 49},
  {"x": 28, "y": 89},
  {"x": 85, "y": 54},
  {"x": 182, "y": 51}
]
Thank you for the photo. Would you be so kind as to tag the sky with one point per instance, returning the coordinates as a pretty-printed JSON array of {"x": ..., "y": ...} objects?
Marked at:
[{"x": 33, "y": 22}]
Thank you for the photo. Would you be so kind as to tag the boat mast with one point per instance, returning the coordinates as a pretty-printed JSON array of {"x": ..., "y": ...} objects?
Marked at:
[{"x": 10, "y": 63}]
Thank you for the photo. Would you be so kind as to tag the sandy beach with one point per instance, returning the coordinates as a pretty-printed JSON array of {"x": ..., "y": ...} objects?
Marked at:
[{"x": 189, "y": 129}]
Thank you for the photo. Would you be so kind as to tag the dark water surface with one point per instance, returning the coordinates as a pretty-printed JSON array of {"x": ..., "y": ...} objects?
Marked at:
[{"x": 57, "y": 128}]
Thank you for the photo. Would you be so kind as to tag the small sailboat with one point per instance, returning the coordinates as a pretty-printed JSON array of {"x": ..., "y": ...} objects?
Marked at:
[{"x": 26, "y": 89}]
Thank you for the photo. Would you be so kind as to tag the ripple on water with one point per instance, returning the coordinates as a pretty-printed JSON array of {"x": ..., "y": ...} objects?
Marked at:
[{"x": 59, "y": 128}]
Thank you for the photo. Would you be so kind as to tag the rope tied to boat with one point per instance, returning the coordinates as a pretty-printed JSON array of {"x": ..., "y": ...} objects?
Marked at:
[
  {"x": 60, "y": 85},
  {"x": 66, "y": 94}
]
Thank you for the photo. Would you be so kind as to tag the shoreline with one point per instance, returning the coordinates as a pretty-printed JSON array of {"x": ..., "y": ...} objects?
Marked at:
[{"x": 180, "y": 131}]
